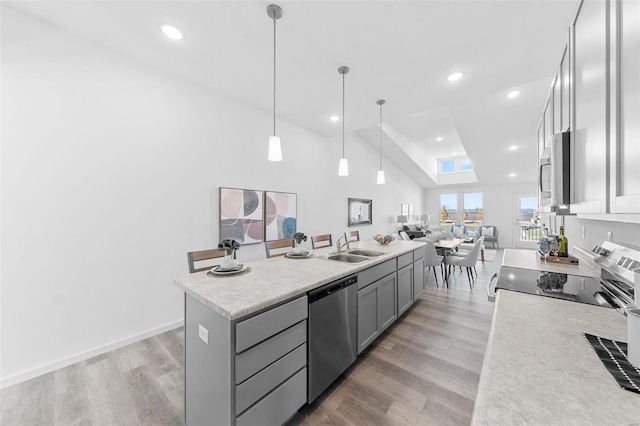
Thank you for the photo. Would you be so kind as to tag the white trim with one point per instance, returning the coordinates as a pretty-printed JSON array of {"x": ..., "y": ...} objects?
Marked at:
[{"x": 47, "y": 368}]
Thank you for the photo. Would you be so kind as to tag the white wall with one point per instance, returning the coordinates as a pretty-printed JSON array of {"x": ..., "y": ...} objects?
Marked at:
[
  {"x": 499, "y": 205},
  {"x": 110, "y": 174}
]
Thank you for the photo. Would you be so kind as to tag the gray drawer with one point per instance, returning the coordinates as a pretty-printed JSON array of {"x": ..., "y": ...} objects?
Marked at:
[
  {"x": 279, "y": 405},
  {"x": 256, "y": 329},
  {"x": 419, "y": 253},
  {"x": 404, "y": 260},
  {"x": 255, "y": 359},
  {"x": 263, "y": 382},
  {"x": 373, "y": 274}
]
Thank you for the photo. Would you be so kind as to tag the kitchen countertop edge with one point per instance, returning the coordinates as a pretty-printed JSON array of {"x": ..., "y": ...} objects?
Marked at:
[{"x": 202, "y": 287}]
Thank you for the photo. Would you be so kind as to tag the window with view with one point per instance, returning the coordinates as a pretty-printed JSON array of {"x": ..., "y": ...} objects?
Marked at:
[
  {"x": 455, "y": 165},
  {"x": 472, "y": 210},
  {"x": 448, "y": 209}
]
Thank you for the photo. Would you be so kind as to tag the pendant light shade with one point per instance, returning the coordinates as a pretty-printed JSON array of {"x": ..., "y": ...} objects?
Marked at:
[
  {"x": 275, "y": 152},
  {"x": 343, "y": 167},
  {"x": 380, "y": 180}
]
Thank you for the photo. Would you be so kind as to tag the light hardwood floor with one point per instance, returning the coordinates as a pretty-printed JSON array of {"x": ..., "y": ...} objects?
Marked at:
[{"x": 423, "y": 370}]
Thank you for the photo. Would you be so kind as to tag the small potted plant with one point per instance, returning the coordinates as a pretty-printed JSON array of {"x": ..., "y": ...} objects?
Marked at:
[
  {"x": 229, "y": 246},
  {"x": 298, "y": 238}
]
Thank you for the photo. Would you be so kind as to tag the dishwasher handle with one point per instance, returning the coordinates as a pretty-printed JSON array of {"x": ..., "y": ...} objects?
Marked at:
[
  {"x": 329, "y": 289},
  {"x": 491, "y": 297}
]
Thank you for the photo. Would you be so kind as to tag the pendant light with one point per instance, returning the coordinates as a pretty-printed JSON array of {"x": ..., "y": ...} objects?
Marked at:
[
  {"x": 343, "y": 167},
  {"x": 275, "y": 152},
  {"x": 380, "y": 172}
]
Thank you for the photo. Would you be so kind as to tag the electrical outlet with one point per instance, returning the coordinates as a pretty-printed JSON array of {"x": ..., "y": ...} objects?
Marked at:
[
  {"x": 584, "y": 232},
  {"x": 609, "y": 236},
  {"x": 203, "y": 333}
]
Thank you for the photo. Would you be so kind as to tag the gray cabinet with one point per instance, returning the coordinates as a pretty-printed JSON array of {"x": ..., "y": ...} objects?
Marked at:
[
  {"x": 405, "y": 288},
  {"x": 388, "y": 297},
  {"x": 418, "y": 278},
  {"x": 368, "y": 325},
  {"x": 625, "y": 111},
  {"x": 590, "y": 145},
  {"x": 418, "y": 272},
  {"x": 248, "y": 372},
  {"x": 376, "y": 309}
]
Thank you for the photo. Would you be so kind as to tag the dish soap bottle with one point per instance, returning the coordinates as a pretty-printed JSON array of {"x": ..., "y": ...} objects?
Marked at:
[{"x": 564, "y": 244}]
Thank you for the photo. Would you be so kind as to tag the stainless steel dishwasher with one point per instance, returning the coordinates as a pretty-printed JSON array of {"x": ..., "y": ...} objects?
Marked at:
[{"x": 332, "y": 333}]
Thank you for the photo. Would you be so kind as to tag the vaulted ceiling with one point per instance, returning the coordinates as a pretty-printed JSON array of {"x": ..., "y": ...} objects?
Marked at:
[{"x": 400, "y": 51}]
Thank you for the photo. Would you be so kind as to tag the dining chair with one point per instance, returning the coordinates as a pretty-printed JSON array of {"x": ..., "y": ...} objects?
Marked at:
[
  {"x": 405, "y": 236},
  {"x": 466, "y": 248},
  {"x": 273, "y": 248},
  {"x": 352, "y": 235},
  {"x": 432, "y": 259},
  {"x": 324, "y": 240},
  {"x": 202, "y": 256},
  {"x": 468, "y": 261}
]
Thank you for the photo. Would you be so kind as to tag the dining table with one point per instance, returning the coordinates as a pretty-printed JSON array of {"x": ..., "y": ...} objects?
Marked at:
[{"x": 446, "y": 246}]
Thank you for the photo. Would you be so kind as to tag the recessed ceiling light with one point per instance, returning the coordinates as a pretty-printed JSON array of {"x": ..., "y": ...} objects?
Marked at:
[
  {"x": 454, "y": 153},
  {"x": 513, "y": 148},
  {"x": 334, "y": 118},
  {"x": 513, "y": 94},
  {"x": 455, "y": 76},
  {"x": 439, "y": 139},
  {"x": 171, "y": 32},
  {"x": 512, "y": 175}
]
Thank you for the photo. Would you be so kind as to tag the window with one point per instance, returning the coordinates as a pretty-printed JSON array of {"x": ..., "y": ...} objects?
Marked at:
[
  {"x": 471, "y": 213},
  {"x": 472, "y": 210},
  {"x": 448, "y": 209},
  {"x": 465, "y": 164},
  {"x": 455, "y": 165}
]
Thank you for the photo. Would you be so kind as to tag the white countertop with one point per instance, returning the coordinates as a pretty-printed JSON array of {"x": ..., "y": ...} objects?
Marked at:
[
  {"x": 274, "y": 280},
  {"x": 530, "y": 259},
  {"x": 539, "y": 369}
]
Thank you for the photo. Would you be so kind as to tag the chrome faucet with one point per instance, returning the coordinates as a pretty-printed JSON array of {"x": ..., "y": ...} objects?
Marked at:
[{"x": 340, "y": 246}]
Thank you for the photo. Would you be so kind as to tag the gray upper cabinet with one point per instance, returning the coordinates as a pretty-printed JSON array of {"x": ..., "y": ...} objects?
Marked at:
[
  {"x": 625, "y": 116},
  {"x": 590, "y": 114},
  {"x": 565, "y": 93},
  {"x": 557, "y": 103}
]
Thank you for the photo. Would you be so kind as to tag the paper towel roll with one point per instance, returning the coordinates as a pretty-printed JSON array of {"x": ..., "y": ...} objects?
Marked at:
[{"x": 633, "y": 331}]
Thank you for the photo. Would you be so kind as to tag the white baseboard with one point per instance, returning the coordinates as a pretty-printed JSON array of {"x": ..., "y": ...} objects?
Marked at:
[{"x": 47, "y": 368}]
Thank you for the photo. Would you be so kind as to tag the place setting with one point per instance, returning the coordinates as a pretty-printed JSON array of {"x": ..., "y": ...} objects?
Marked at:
[
  {"x": 230, "y": 265},
  {"x": 298, "y": 251}
]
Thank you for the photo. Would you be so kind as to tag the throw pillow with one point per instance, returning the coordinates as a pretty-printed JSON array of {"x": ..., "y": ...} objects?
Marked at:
[
  {"x": 458, "y": 231},
  {"x": 405, "y": 228},
  {"x": 416, "y": 227},
  {"x": 487, "y": 232}
]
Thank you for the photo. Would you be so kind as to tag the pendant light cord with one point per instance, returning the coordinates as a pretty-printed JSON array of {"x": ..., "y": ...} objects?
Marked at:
[
  {"x": 343, "y": 116},
  {"x": 274, "y": 74},
  {"x": 380, "y": 136}
]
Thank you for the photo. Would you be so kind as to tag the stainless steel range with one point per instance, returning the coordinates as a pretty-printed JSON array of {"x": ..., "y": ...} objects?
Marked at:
[{"x": 613, "y": 289}]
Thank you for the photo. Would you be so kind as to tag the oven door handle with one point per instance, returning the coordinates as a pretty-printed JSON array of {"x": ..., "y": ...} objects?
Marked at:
[{"x": 491, "y": 297}]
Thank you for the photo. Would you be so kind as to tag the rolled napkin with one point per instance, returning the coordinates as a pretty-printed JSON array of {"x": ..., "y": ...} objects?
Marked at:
[
  {"x": 229, "y": 246},
  {"x": 299, "y": 237}
]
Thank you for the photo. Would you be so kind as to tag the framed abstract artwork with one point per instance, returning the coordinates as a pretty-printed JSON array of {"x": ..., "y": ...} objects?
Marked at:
[
  {"x": 280, "y": 215},
  {"x": 241, "y": 215}
]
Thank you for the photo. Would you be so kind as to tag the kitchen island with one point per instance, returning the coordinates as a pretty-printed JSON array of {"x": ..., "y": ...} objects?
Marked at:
[
  {"x": 246, "y": 348},
  {"x": 539, "y": 369}
]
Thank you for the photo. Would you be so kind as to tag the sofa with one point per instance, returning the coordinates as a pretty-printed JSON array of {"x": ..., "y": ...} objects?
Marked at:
[
  {"x": 490, "y": 234},
  {"x": 413, "y": 231}
]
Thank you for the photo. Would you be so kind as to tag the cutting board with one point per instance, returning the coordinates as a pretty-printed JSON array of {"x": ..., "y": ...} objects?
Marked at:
[{"x": 563, "y": 260}]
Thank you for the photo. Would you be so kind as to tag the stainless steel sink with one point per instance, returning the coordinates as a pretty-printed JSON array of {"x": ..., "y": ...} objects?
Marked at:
[
  {"x": 347, "y": 257},
  {"x": 368, "y": 253}
]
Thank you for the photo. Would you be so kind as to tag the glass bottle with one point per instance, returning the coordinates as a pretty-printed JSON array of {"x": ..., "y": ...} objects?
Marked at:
[{"x": 564, "y": 243}]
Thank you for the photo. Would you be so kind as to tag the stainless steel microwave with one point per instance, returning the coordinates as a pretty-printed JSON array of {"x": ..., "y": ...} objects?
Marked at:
[{"x": 554, "y": 173}]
